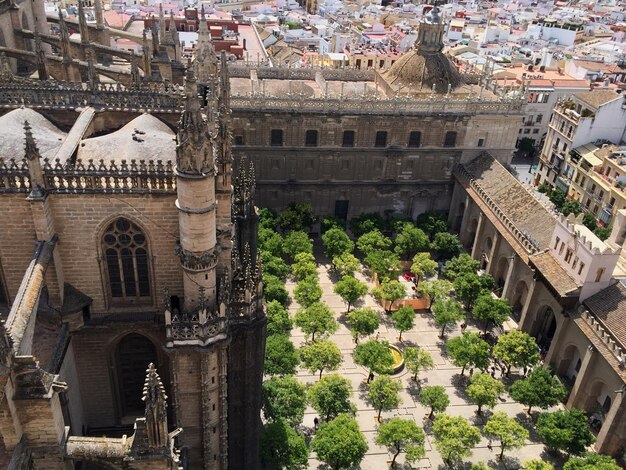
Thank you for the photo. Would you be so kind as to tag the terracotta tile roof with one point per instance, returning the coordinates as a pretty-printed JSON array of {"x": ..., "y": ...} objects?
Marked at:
[
  {"x": 517, "y": 203},
  {"x": 598, "y": 97},
  {"x": 609, "y": 308},
  {"x": 554, "y": 273}
]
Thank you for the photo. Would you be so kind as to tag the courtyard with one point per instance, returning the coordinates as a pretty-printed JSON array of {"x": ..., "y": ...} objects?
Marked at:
[{"x": 423, "y": 334}]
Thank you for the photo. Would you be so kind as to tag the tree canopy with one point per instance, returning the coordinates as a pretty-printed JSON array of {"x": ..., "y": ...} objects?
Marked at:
[
  {"x": 384, "y": 263},
  {"x": 470, "y": 286},
  {"x": 454, "y": 437},
  {"x": 540, "y": 388},
  {"x": 336, "y": 242},
  {"x": 389, "y": 292},
  {"x": 320, "y": 356},
  {"x": 346, "y": 264},
  {"x": 402, "y": 435},
  {"x": 566, "y": 430},
  {"x": 383, "y": 394},
  {"x": 404, "y": 319},
  {"x": 315, "y": 319},
  {"x": 281, "y": 356},
  {"x": 432, "y": 223},
  {"x": 592, "y": 461},
  {"x": 491, "y": 311},
  {"x": 281, "y": 447},
  {"x": 296, "y": 216},
  {"x": 278, "y": 320},
  {"x": 374, "y": 355},
  {"x": 274, "y": 289},
  {"x": 330, "y": 396},
  {"x": 507, "y": 431},
  {"x": 410, "y": 241},
  {"x": 340, "y": 443},
  {"x": 308, "y": 291},
  {"x": 446, "y": 313},
  {"x": 459, "y": 265},
  {"x": 350, "y": 290},
  {"x": 417, "y": 359},
  {"x": 538, "y": 465},
  {"x": 423, "y": 266},
  {"x": 436, "y": 398},
  {"x": 363, "y": 322},
  {"x": 365, "y": 223},
  {"x": 468, "y": 350},
  {"x": 516, "y": 349},
  {"x": 283, "y": 398},
  {"x": 270, "y": 242},
  {"x": 436, "y": 289},
  {"x": 297, "y": 242},
  {"x": 274, "y": 265},
  {"x": 447, "y": 245},
  {"x": 484, "y": 390},
  {"x": 373, "y": 241}
]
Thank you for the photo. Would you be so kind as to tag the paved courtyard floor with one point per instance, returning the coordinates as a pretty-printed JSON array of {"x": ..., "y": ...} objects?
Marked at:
[{"x": 424, "y": 334}]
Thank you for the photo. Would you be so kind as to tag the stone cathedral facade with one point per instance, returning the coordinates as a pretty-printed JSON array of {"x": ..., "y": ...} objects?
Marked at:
[{"x": 130, "y": 290}]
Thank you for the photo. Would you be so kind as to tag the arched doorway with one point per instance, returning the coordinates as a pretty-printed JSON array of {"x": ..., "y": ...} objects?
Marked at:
[
  {"x": 502, "y": 268},
  {"x": 459, "y": 217},
  {"x": 133, "y": 354},
  {"x": 486, "y": 252},
  {"x": 546, "y": 329},
  {"x": 598, "y": 404},
  {"x": 570, "y": 364}
]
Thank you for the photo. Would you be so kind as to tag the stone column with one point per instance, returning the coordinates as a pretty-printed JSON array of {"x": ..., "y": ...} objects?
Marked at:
[
  {"x": 509, "y": 275},
  {"x": 479, "y": 229},
  {"x": 575, "y": 396},
  {"x": 492, "y": 252},
  {"x": 524, "y": 322}
]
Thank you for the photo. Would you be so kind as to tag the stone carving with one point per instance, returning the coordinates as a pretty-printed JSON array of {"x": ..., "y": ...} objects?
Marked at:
[
  {"x": 197, "y": 262},
  {"x": 156, "y": 409}
]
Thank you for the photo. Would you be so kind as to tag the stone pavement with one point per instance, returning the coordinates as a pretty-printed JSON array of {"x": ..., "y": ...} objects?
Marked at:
[{"x": 424, "y": 334}]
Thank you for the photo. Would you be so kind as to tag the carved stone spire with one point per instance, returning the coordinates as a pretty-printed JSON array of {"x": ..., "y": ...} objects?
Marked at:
[
  {"x": 40, "y": 56},
  {"x": 161, "y": 23},
  {"x": 244, "y": 212},
  {"x": 99, "y": 14},
  {"x": 35, "y": 172},
  {"x": 205, "y": 58},
  {"x": 82, "y": 24},
  {"x": 174, "y": 39},
  {"x": 156, "y": 409},
  {"x": 194, "y": 152},
  {"x": 92, "y": 74},
  {"x": 147, "y": 56},
  {"x": 155, "y": 38},
  {"x": 134, "y": 70},
  {"x": 6, "y": 74},
  {"x": 224, "y": 97},
  {"x": 66, "y": 48}
]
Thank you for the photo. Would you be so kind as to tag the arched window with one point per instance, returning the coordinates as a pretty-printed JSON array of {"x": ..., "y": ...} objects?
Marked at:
[
  {"x": 450, "y": 140},
  {"x": 126, "y": 254}
]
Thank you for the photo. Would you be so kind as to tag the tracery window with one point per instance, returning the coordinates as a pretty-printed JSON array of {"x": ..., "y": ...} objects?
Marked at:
[{"x": 125, "y": 251}]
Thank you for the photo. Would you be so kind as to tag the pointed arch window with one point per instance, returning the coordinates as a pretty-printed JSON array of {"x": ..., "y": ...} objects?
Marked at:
[{"x": 126, "y": 257}]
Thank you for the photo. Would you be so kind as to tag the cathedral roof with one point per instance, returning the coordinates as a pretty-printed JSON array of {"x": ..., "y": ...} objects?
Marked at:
[
  {"x": 48, "y": 137},
  {"x": 143, "y": 138}
]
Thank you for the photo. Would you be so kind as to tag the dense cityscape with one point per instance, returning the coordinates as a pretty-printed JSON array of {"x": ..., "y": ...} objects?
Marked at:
[{"x": 312, "y": 234}]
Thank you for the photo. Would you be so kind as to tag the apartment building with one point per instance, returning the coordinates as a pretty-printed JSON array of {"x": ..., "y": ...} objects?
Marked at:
[{"x": 595, "y": 116}]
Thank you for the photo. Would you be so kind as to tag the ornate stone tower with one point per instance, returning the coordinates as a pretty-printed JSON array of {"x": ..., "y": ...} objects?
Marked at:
[
  {"x": 197, "y": 333},
  {"x": 217, "y": 336}
]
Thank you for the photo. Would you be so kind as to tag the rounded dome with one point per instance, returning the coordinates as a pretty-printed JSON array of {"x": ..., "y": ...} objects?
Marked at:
[
  {"x": 420, "y": 70},
  {"x": 47, "y": 136}
]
